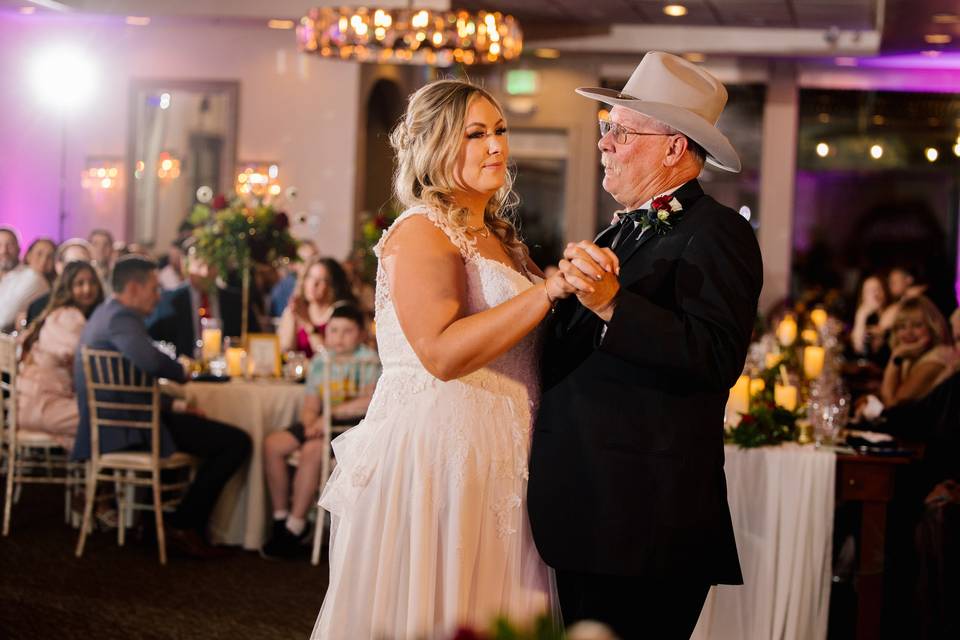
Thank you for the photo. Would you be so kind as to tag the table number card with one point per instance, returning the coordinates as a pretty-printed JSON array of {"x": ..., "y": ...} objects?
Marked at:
[{"x": 263, "y": 354}]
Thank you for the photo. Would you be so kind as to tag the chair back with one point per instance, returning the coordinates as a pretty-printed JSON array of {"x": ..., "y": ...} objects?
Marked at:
[
  {"x": 345, "y": 378},
  {"x": 8, "y": 385},
  {"x": 119, "y": 395}
]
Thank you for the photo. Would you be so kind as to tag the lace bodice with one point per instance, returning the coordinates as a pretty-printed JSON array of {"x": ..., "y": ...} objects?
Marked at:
[{"x": 489, "y": 283}]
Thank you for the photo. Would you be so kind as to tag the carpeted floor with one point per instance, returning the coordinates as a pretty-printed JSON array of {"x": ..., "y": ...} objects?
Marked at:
[{"x": 113, "y": 592}]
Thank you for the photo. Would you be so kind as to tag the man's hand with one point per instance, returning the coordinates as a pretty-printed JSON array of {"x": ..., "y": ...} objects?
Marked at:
[
  {"x": 315, "y": 430},
  {"x": 593, "y": 271}
]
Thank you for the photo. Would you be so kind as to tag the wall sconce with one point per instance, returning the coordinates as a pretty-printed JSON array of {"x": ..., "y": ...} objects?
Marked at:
[
  {"x": 101, "y": 173},
  {"x": 168, "y": 167},
  {"x": 258, "y": 179}
]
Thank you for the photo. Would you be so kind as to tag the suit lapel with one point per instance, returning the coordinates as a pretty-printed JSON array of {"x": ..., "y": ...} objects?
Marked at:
[{"x": 687, "y": 194}]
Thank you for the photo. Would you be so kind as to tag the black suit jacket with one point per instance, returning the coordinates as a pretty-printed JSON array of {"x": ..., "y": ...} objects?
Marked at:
[
  {"x": 172, "y": 320},
  {"x": 626, "y": 470}
]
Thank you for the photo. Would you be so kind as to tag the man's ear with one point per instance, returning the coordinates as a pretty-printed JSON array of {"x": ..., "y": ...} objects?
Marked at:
[{"x": 675, "y": 150}]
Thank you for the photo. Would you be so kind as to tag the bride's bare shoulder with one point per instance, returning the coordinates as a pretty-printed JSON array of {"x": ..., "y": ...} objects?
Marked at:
[{"x": 417, "y": 235}]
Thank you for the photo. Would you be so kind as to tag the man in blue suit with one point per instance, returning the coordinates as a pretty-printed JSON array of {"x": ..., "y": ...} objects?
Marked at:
[{"x": 118, "y": 325}]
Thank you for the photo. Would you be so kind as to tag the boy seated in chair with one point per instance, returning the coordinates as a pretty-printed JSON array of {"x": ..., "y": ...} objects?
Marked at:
[{"x": 351, "y": 388}]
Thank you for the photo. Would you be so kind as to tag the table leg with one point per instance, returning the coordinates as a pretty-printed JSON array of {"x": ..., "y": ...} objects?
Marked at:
[{"x": 873, "y": 531}]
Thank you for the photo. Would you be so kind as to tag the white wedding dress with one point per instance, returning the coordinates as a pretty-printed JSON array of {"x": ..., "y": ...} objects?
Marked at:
[{"x": 429, "y": 526}]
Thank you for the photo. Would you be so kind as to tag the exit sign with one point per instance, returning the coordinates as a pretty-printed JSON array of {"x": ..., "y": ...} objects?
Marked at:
[{"x": 522, "y": 82}]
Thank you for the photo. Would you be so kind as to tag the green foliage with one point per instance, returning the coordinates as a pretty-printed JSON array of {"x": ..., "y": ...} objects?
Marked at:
[
  {"x": 371, "y": 228},
  {"x": 232, "y": 234},
  {"x": 765, "y": 425}
]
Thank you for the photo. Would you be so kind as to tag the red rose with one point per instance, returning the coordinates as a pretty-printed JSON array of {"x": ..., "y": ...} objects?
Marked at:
[
  {"x": 380, "y": 222},
  {"x": 663, "y": 202},
  {"x": 747, "y": 419},
  {"x": 220, "y": 202},
  {"x": 464, "y": 633}
]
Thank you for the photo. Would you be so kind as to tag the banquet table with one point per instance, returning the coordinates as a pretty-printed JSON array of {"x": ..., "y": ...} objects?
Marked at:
[
  {"x": 259, "y": 407},
  {"x": 782, "y": 505}
]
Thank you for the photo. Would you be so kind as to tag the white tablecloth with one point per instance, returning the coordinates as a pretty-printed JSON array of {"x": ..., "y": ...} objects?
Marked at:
[
  {"x": 242, "y": 514},
  {"x": 781, "y": 500}
]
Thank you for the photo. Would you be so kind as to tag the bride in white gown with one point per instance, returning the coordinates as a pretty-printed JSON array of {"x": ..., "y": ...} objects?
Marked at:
[{"x": 428, "y": 500}]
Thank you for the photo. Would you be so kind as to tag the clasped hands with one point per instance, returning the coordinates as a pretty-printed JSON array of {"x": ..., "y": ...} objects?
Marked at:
[{"x": 589, "y": 272}]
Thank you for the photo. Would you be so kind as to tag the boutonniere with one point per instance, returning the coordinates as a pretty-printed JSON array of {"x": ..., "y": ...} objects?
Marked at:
[{"x": 663, "y": 212}]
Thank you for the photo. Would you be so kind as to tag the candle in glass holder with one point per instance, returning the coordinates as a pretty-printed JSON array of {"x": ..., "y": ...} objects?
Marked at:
[
  {"x": 813, "y": 361},
  {"x": 785, "y": 395},
  {"x": 787, "y": 331},
  {"x": 739, "y": 400},
  {"x": 818, "y": 317},
  {"x": 810, "y": 336},
  {"x": 235, "y": 356},
  {"x": 211, "y": 337},
  {"x": 756, "y": 386}
]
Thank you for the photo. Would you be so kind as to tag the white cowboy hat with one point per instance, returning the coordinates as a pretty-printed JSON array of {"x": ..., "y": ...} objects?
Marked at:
[{"x": 680, "y": 94}]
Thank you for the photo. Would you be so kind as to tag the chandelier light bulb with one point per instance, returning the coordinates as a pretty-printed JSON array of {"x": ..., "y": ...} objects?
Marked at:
[
  {"x": 823, "y": 149},
  {"x": 876, "y": 152},
  {"x": 931, "y": 154}
]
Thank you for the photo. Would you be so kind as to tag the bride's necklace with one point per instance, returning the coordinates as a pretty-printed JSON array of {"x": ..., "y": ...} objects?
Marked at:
[{"x": 483, "y": 230}]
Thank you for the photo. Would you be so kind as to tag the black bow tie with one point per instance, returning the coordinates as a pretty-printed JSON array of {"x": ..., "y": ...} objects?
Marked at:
[{"x": 637, "y": 216}]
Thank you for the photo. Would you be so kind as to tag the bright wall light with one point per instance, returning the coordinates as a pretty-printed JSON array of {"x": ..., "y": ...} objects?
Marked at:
[
  {"x": 956, "y": 149},
  {"x": 931, "y": 154},
  {"x": 876, "y": 152},
  {"x": 63, "y": 78},
  {"x": 823, "y": 149},
  {"x": 675, "y": 10}
]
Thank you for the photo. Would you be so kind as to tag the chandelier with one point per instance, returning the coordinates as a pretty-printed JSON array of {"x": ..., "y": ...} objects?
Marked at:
[{"x": 414, "y": 36}]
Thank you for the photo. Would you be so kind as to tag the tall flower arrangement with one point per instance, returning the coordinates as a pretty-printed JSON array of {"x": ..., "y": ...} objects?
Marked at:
[{"x": 232, "y": 233}]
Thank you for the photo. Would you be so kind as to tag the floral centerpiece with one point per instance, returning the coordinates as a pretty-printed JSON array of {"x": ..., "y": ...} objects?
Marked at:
[{"x": 233, "y": 233}]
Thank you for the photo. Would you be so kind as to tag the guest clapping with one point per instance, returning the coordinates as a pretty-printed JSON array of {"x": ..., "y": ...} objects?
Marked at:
[
  {"x": 321, "y": 285},
  {"x": 922, "y": 354},
  {"x": 48, "y": 402}
]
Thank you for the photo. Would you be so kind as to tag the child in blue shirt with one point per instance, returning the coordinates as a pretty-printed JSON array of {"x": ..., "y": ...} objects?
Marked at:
[{"x": 351, "y": 388}]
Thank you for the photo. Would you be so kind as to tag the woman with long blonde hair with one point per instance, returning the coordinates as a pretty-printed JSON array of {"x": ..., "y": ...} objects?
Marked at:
[{"x": 429, "y": 530}]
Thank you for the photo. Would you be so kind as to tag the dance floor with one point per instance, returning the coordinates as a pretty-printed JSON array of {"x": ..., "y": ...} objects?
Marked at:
[{"x": 45, "y": 592}]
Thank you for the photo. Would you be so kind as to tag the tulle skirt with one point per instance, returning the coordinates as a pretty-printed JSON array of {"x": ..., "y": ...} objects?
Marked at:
[{"x": 429, "y": 528}]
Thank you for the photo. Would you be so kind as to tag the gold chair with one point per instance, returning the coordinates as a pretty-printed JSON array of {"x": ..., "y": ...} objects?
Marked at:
[
  {"x": 115, "y": 386},
  {"x": 32, "y": 457},
  {"x": 343, "y": 379}
]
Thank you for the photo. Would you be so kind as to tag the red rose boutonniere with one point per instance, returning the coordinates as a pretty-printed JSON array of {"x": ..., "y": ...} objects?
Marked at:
[{"x": 664, "y": 211}]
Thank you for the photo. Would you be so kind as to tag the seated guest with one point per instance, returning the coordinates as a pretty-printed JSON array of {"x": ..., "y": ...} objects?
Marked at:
[
  {"x": 118, "y": 325},
  {"x": 344, "y": 338},
  {"x": 69, "y": 251},
  {"x": 177, "y": 317},
  {"x": 101, "y": 242},
  {"x": 26, "y": 283},
  {"x": 171, "y": 273},
  {"x": 867, "y": 339},
  {"x": 9, "y": 250},
  {"x": 921, "y": 353},
  {"x": 281, "y": 292},
  {"x": 321, "y": 286},
  {"x": 45, "y": 384}
]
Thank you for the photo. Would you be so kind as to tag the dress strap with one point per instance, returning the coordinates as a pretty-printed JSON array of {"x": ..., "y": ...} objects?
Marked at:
[{"x": 466, "y": 245}]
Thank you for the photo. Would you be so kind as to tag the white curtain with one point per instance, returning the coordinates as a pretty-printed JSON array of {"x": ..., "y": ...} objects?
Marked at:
[{"x": 781, "y": 499}]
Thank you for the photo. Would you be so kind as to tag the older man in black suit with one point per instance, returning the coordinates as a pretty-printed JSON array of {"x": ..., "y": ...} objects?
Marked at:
[
  {"x": 627, "y": 495},
  {"x": 118, "y": 325}
]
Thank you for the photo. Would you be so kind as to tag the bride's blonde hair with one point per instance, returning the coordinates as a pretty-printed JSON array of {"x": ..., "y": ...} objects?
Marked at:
[{"x": 427, "y": 143}]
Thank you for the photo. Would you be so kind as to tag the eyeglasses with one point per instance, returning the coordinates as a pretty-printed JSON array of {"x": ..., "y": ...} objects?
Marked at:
[{"x": 620, "y": 133}]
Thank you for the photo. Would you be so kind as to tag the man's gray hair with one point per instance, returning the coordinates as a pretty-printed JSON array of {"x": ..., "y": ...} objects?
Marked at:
[{"x": 698, "y": 152}]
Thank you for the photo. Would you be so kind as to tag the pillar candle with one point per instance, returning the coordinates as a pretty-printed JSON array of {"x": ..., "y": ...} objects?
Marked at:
[
  {"x": 813, "y": 361},
  {"x": 787, "y": 331},
  {"x": 756, "y": 386},
  {"x": 235, "y": 356},
  {"x": 211, "y": 343},
  {"x": 785, "y": 395},
  {"x": 739, "y": 400},
  {"x": 818, "y": 317},
  {"x": 810, "y": 336}
]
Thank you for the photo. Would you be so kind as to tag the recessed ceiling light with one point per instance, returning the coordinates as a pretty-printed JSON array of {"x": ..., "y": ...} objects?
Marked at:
[
  {"x": 280, "y": 24},
  {"x": 138, "y": 21},
  {"x": 694, "y": 57},
  {"x": 946, "y": 18},
  {"x": 876, "y": 152},
  {"x": 548, "y": 54},
  {"x": 27, "y": 10},
  {"x": 937, "y": 38},
  {"x": 675, "y": 10},
  {"x": 845, "y": 62},
  {"x": 931, "y": 154},
  {"x": 823, "y": 149}
]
